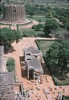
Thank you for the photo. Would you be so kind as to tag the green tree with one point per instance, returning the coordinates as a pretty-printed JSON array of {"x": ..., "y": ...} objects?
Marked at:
[
  {"x": 7, "y": 1},
  {"x": 7, "y": 36},
  {"x": 10, "y": 64},
  {"x": 62, "y": 58},
  {"x": 58, "y": 54},
  {"x": 50, "y": 25},
  {"x": 39, "y": 20},
  {"x": 67, "y": 25},
  {"x": 49, "y": 14},
  {"x": 1, "y": 9},
  {"x": 37, "y": 27},
  {"x": 41, "y": 7},
  {"x": 51, "y": 54},
  {"x": 31, "y": 13},
  {"x": 29, "y": 10}
]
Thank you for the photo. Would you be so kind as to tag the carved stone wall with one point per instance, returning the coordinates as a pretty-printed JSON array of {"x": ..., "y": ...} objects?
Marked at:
[
  {"x": 14, "y": 13},
  {"x": 6, "y": 92},
  {"x": 2, "y": 60},
  {"x": 7, "y": 86}
]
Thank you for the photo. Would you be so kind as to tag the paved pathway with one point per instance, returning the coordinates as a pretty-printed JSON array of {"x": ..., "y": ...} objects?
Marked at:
[
  {"x": 16, "y": 54},
  {"x": 34, "y": 22}
]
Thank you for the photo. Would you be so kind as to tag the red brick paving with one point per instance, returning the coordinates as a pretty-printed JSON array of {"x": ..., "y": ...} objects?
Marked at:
[{"x": 18, "y": 47}]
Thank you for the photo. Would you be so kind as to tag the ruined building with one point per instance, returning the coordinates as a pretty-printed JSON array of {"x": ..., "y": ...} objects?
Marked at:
[{"x": 6, "y": 79}]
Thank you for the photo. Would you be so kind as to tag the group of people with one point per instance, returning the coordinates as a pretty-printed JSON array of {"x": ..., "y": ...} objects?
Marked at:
[{"x": 48, "y": 91}]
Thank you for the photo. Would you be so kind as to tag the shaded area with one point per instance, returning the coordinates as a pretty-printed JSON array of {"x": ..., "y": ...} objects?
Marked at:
[
  {"x": 45, "y": 69},
  {"x": 9, "y": 49},
  {"x": 23, "y": 67},
  {"x": 31, "y": 74}
]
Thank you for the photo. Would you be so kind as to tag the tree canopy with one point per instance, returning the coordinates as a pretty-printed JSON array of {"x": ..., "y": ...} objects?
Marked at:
[
  {"x": 50, "y": 25},
  {"x": 58, "y": 54},
  {"x": 7, "y": 36},
  {"x": 37, "y": 27},
  {"x": 67, "y": 25},
  {"x": 10, "y": 64}
]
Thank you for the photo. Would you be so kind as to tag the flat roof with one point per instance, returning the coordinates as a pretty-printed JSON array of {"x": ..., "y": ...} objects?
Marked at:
[
  {"x": 35, "y": 65},
  {"x": 6, "y": 78},
  {"x": 32, "y": 50}
]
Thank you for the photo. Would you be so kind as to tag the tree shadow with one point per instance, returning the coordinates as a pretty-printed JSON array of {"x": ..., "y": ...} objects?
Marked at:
[
  {"x": 45, "y": 69},
  {"x": 9, "y": 49}
]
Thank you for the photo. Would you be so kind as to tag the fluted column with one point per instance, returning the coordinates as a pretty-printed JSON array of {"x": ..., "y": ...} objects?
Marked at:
[{"x": 14, "y": 13}]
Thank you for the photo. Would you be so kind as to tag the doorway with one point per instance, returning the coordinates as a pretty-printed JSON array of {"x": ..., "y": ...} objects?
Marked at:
[{"x": 31, "y": 74}]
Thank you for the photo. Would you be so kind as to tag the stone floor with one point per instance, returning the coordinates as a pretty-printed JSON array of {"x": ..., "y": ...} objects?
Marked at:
[{"x": 47, "y": 82}]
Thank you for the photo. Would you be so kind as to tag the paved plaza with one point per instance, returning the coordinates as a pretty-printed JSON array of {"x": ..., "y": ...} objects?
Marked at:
[{"x": 41, "y": 91}]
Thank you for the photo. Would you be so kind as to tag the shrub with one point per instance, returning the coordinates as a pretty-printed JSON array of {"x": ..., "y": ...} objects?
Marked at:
[
  {"x": 58, "y": 82},
  {"x": 37, "y": 27},
  {"x": 10, "y": 64},
  {"x": 34, "y": 27},
  {"x": 29, "y": 33}
]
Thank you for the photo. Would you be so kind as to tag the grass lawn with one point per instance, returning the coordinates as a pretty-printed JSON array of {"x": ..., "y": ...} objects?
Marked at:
[
  {"x": 42, "y": 18},
  {"x": 37, "y": 18},
  {"x": 44, "y": 45}
]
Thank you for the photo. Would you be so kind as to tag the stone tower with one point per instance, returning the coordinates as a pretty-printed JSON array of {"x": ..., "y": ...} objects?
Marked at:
[
  {"x": 14, "y": 13},
  {"x": 2, "y": 60}
]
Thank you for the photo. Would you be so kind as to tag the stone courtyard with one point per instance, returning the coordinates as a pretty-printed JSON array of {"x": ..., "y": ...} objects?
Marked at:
[{"x": 37, "y": 91}]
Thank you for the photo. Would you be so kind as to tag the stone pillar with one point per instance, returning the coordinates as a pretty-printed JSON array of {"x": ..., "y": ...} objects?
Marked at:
[
  {"x": 33, "y": 75},
  {"x": 28, "y": 74},
  {"x": 22, "y": 89}
]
